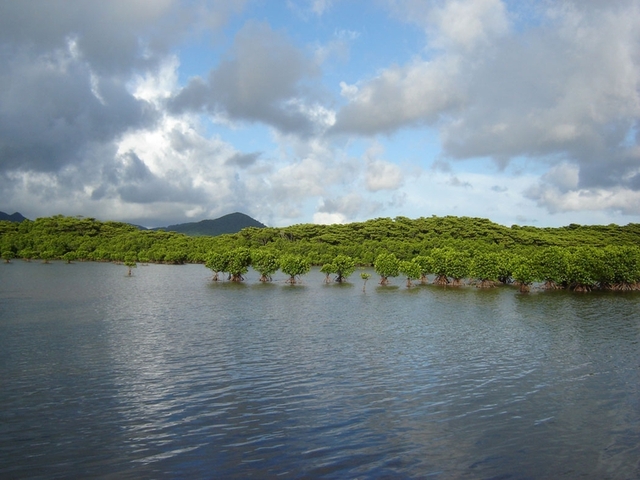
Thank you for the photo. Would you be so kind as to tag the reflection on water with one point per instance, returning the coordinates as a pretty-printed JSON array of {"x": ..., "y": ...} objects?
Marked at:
[{"x": 167, "y": 374}]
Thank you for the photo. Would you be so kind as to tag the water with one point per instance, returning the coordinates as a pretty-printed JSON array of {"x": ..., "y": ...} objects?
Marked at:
[{"x": 166, "y": 374}]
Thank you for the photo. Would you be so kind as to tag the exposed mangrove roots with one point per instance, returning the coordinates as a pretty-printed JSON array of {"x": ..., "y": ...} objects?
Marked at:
[{"x": 441, "y": 280}]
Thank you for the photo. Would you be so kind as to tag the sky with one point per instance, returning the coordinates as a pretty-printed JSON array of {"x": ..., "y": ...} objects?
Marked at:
[{"x": 158, "y": 112}]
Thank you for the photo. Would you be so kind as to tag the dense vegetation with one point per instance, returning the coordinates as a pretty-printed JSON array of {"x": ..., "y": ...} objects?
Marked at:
[{"x": 454, "y": 250}]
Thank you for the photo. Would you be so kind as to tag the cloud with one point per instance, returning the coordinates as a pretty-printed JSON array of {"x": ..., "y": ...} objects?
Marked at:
[
  {"x": 320, "y": 6},
  {"x": 614, "y": 200},
  {"x": 260, "y": 81},
  {"x": 419, "y": 93},
  {"x": 114, "y": 37},
  {"x": 96, "y": 115},
  {"x": 53, "y": 109},
  {"x": 463, "y": 25},
  {"x": 456, "y": 182},
  {"x": 306, "y": 9},
  {"x": 65, "y": 87},
  {"x": 561, "y": 89},
  {"x": 469, "y": 23},
  {"x": 569, "y": 90},
  {"x": 351, "y": 205},
  {"x": 382, "y": 175},
  {"x": 560, "y": 190},
  {"x": 441, "y": 166},
  {"x": 324, "y": 218},
  {"x": 243, "y": 160}
]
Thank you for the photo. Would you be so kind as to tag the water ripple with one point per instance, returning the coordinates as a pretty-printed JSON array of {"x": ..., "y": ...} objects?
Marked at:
[{"x": 167, "y": 375}]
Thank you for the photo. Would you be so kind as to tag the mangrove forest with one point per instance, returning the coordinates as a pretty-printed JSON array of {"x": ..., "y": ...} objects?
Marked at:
[{"x": 447, "y": 251}]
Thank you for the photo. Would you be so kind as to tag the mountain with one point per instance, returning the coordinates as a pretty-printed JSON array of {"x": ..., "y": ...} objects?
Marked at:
[
  {"x": 16, "y": 217},
  {"x": 232, "y": 223}
]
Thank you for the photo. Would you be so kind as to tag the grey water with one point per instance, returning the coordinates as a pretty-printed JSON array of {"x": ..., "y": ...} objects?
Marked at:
[{"x": 166, "y": 374}]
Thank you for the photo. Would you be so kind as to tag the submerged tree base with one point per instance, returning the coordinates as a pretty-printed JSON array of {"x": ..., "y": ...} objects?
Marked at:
[
  {"x": 624, "y": 287},
  {"x": 581, "y": 288},
  {"x": 441, "y": 280},
  {"x": 551, "y": 285},
  {"x": 524, "y": 287}
]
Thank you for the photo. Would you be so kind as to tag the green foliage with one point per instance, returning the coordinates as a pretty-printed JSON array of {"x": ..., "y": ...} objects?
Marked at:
[
  {"x": 524, "y": 272},
  {"x": 620, "y": 267},
  {"x": 440, "y": 264},
  {"x": 46, "y": 256},
  {"x": 175, "y": 257},
  {"x": 70, "y": 257},
  {"x": 327, "y": 269},
  {"x": 295, "y": 266},
  {"x": 365, "y": 276},
  {"x": 386, "y": 265},
  {"x": 238, "y": 261},
  {"x": 342, "y": 266},
  {"x": 26, "y": 254},
  {"x": 411, "y": 270},
  {"x": 218, "y": 262},
  {"x": 553, "y": 265},
  {"x": 426, "y": 266},
  {"x": 487, "y": 267},
  {"x": 130, "y": 262},
  {"x": 265, "y": 262},
  {"x": 452, "y": 248},
  {"x": 583, "y": 268},
  {"x": 458, "y": 265}
]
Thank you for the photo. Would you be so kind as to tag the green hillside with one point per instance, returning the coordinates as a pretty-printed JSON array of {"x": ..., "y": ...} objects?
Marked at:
[
  {"x": 451, "y": 248},
  {"x": 231, "y": 223}
]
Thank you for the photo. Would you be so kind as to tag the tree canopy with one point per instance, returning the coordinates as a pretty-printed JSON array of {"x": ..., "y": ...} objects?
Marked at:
[{"x": 451, "y": 249}]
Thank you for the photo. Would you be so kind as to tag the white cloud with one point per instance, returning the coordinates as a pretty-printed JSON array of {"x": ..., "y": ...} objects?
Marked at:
[
  {"x": 96, "y": 118},
  {"x": 158, "y": 85},
  {"x": 468, "y": 23},
  {"x": 325, "y": 218},
  {"x": 260, "y": 80},
  {"x": 615, "y": 200},
  {"x": 564, "y": 176},
  {"x": 382, "y": 175},
  {"x": 350, "y": 92},
  {"x": 419, "y": 93}
]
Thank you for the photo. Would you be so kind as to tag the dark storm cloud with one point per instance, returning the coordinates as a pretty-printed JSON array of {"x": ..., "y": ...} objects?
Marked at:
[
  {"x": 114, "y": 36},
  {"x": 51, "y": 111},
  {"x": 45, "y": 26},
  {"x": 64, "y": 69},
  {"x": 63, "y": 78},
  {"x": 260, "y": 81}
]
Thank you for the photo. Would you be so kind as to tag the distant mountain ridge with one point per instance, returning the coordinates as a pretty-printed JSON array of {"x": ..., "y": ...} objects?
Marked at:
[
  {"x": 231, "y": 223},
  {"x": 15, "y": 217}
]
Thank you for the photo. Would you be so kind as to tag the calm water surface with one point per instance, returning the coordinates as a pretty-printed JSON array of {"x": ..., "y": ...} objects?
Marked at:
[{"x": 166, "y": 374}]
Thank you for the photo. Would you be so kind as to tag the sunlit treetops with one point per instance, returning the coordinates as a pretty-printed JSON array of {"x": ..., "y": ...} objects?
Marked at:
[{"x": 453, "y": 250}]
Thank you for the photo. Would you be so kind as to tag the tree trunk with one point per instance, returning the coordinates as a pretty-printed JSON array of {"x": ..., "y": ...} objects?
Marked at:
[{"x": 441, "y": 280}]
